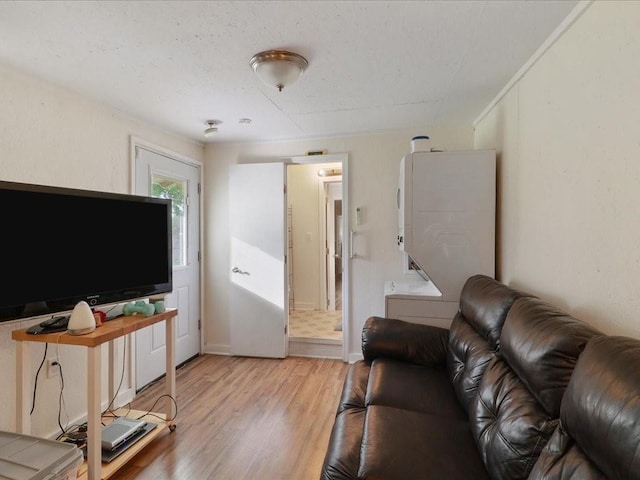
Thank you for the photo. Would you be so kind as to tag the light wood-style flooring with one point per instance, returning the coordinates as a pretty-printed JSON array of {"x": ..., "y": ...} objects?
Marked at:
[{"x": 243, "y": 418}]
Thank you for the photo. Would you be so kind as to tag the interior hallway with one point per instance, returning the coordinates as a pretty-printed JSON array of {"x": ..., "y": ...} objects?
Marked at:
[{"x": 318, "y": 324}]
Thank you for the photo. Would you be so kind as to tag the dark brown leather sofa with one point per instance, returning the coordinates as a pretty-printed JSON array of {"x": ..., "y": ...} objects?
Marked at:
[{"x": 494, "y": 397}]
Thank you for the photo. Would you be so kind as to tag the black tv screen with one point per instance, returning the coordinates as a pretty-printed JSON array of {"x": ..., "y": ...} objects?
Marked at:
[{"x": 60, "y": 246}]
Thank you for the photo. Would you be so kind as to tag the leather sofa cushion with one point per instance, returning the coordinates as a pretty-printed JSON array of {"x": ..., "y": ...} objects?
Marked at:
[
  {"x": 467, "y": 358},
  {"x": 401, "y": 445},
  {"x": 474, "y": 335},
  {"x": 510, "y": 427},
  {"x": 410, "y": 342},
  {"x": 518, "y": 402},
  {"x": 342, "y": 458},
  {"x": 542, "y": 345},
  {"x": 412, "y": 387},
  {"x": 484, "y": 303},
  {"x": 354, "y": 389},
  {"x": 562, "y": 459},
  {"x": 600, "y": 414}
]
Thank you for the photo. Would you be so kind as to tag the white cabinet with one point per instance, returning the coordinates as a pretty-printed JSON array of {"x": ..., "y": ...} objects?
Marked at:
[{"x": 418, "y": 302}]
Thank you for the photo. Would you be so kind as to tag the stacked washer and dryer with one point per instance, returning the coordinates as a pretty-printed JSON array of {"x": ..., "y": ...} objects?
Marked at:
[{"x": 446, "y": 211}]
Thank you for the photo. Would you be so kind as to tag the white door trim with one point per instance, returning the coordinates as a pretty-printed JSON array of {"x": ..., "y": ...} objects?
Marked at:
[{"x": 138, "y": 142}]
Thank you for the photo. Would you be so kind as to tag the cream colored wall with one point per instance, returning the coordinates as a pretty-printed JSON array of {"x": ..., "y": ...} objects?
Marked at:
[
  {"x": 568, "y": 138},
  {"x": 51, "y": 136},
  {"x": 373, "y": 171}
]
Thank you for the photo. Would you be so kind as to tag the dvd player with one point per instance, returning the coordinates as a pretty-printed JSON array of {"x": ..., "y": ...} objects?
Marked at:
[{"x": 119, "y": 431}]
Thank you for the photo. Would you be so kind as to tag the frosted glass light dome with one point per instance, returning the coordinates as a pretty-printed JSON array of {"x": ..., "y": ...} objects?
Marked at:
[{"x": 278, "y": 68}]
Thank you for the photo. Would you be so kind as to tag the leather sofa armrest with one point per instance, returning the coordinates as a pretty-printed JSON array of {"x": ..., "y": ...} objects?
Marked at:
[{"x": 400, "y": 340}]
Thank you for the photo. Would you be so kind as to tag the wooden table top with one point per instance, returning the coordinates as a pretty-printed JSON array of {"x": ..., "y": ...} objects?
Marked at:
[{"x": 106, "y": 332}]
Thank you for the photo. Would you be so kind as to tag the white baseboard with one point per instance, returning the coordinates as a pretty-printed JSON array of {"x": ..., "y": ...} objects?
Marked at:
[
  {"x": 216, "y": 349},
  {"x": 124, "y": 397},
  {"x": 304, "y": 348},
  {"x": 307, "y": 347},
  {"x": 354, "y": 357}
]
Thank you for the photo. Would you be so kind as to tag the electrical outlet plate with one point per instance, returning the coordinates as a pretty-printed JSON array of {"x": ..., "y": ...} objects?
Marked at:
[{"x": 52, "y": 367}]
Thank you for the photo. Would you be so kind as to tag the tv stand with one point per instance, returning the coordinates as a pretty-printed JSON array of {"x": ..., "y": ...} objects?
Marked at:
[{"x": 92, "y": 469}]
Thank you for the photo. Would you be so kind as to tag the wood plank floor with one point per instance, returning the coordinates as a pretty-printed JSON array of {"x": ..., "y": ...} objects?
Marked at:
[{"x": 243, "y": 418}]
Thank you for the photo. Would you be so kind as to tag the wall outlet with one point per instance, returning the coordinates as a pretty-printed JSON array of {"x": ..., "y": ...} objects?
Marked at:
[{"x": 53, "y": 367}]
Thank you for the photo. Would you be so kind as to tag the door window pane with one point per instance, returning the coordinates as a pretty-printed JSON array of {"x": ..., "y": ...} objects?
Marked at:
[{"x": 175, "y": 190}]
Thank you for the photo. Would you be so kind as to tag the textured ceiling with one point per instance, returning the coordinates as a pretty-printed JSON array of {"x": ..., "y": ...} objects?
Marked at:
[{"x": 373, "y": 66}]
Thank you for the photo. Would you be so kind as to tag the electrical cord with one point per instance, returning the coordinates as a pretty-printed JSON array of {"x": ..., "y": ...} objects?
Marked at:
[
  {"x": 124, "y": 359},
  {"x": 60, "y": 398},
  {"x": 115, "y": 395},
  {"x": 112, "y": 307},
  {"x": 70, "y": 430},
  {"x": 113, "y": 414},
  {"x": 35, "y": 384},
  {"x": 108, "y": 409},
  {"x": 149, "y": 412}
]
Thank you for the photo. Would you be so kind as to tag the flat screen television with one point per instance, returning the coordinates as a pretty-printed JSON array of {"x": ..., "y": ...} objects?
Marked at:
[{"x": 60, "y": 246}]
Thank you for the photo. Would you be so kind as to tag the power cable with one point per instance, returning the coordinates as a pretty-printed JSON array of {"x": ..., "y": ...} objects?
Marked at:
[{"x": 35, "y": 384}]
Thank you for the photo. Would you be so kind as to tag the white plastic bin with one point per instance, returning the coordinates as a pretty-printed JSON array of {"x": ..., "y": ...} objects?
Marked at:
[{"x": 24, "y": 457}]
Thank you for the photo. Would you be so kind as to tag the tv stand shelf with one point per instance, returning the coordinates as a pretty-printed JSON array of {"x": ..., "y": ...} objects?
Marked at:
[{"x": 106, "y": 333}]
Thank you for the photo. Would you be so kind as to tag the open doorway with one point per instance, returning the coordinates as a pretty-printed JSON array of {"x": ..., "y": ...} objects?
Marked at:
[{"x": 315, "y": 246}]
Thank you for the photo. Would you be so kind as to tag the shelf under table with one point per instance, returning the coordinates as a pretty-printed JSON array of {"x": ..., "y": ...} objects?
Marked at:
[{"x": 109, "y": 469}]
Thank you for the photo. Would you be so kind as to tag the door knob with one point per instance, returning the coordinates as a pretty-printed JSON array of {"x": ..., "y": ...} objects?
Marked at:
[{"x": 237, "y": 270}]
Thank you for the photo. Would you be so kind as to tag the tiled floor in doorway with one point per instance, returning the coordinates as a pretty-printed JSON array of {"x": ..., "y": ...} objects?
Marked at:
[{"x": 315, "y": 324}]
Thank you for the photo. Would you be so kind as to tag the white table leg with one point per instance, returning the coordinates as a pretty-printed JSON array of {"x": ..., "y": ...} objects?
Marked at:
[
  {"x": 23, "y": 388},
  {"x": 111, "y": 365},
  {"x": 171, "y": 366},
  {"x": 94, "y": 423}
]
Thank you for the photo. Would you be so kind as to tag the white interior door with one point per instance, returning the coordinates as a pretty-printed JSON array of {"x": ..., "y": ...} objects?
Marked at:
[
  {"x": 159, "y": 175},
  {"x": 257, "y": 268}
]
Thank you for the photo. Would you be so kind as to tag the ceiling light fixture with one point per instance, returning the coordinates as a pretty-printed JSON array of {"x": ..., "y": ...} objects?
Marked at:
[
  {"x": 278, "y": 68},
  {"x": 331, "y": 172},
  {"x": 244, "y": 121},
  {"x": 212, "y": 129}
]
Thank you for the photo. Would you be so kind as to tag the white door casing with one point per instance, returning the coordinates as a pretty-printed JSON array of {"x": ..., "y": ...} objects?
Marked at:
[
  {"x": 150, "y": 342},
  {"x": 257, "y": 269}
]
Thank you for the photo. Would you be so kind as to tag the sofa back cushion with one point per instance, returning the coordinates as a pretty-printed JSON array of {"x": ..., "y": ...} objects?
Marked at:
[
  {"x": 516, "y": 410},
  {"x": 542, "y": 345},
  {"x": 510, "y": 427},
  {"x": 599, "y": 436},
  {"x": 475, "y": 333},
  {"x": 484, "y": 304}
]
